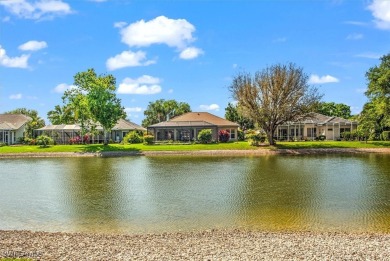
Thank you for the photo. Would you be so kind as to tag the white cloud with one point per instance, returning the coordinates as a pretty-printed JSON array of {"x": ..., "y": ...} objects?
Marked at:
[
  {"x": 355, "y": 36},
  {"x": 315, "y": 79},
  {"x": 14, "y": 62},
  {"x": 33, "y": 46},
  {"x": 369, "y": 55},
  {"x": 120, "y": 24},
  {"x": 161, "y": 30},
  {"x": 41, "y": 9},
  {"x": 128, "y": 59},
  {"x": 357, "y": 23},
  {"x": 62, "y": 87},
  {"x": 133, "y": 109},
  {"x": 381, "y": 11},
  {"x": 17, "y": 96},
  {"x": 190, "y": 53},
  {"x": 211, "y": 107},
  {"x": 143, "y": 85},
  {"x": 6, "y": 19},
  {"x": 280, "y": 40},
  {"x": 170, "y": 91}
]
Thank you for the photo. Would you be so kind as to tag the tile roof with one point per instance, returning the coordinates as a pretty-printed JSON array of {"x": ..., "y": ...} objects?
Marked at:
[
  {"x": 196, "y": 119},
  {"x": 13, "y": 120}
]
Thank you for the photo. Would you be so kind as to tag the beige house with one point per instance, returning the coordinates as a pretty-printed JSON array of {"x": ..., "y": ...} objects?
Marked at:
[
  {"x": 186, "y": 127},
  {"x": 62, "y": 134},
  {"x": 12, "y": 127},
  {"x": 315, "y": 126}
]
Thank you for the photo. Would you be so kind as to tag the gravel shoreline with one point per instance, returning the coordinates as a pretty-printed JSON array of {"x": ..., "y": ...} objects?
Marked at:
[
  {"x": 204, "y": 245},
  {"x": 256, "y": 152}
]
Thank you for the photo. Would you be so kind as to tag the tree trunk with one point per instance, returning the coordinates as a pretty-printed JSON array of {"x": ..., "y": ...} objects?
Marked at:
[
  {"x": 105, "y": 137},
  {"x": 270, "y": 137}
]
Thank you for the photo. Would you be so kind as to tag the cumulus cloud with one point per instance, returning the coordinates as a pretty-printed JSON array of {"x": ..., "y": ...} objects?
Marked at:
[
  {"x": 190, "y": 53},
  {"x": 17, "y": 96},
  {"x": 120, "y": 24},
  {"x": 315, "y": 79},
  {"x": 160, "y": 30},
  {"x": 62, "y": 87},
  {"x": 381, "y": 11},
  {"x": 40, "y": 9},
  {"x": 211, "y": 107},
  {"x": 13, "y": 62},
  {"x": 33, "y": 46},
  {"x": 128, "y": 59},
  {"x": 145, "y": 84}
]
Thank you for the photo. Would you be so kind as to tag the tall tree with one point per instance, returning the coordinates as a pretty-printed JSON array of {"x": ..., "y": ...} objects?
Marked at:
[
  {"x": 334, "y": 109},
  {"x": 233, "y": 114},
  {"x": 275, "y": 95},
  {"x": 162, "y": 110},
  {"x": 35, "y": 123},
  {"x": 61, "y": 115},
  {"x": 376, "y": 112},
  {"x": 93, "y": 100}
]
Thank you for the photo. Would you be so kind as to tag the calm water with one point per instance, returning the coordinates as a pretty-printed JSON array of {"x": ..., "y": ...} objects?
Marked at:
[{"x": 155, "y": 194}]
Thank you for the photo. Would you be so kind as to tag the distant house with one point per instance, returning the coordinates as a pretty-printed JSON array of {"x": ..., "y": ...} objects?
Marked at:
[
  {"x": 62, "y": 134},
  {"x": 310, "y": 128},
  {"x": 12, "y": 127},
  {"x": 186, "y": 127}
]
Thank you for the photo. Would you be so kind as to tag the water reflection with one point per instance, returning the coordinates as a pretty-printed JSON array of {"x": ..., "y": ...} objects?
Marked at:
[{"x": 155, "y": 194}]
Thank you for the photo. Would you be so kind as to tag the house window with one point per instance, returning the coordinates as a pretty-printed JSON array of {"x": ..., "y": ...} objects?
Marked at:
[
  {"x": 232, "y": 133},
  {"x": 330, "y": 129},
  {"x": 344, "y": 130},
  {"x": 312, "y": 132}
]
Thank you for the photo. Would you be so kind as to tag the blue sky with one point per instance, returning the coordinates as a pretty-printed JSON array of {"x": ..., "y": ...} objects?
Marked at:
[{"x": 185, "y": 50}]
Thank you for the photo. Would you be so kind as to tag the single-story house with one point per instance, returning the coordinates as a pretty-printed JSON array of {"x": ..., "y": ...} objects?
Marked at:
[
  {"x": 62, "y": 134},
  {"x": 316, "y": 125},
  {"x": 12, "y": 127},
  {"x": 186, "y": 127}
]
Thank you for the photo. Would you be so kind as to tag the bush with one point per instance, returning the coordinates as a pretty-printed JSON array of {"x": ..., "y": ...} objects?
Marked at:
[
  {"x": 133, "y": 137},
  {"x": 205, "y": 136},
  {"x": 322, "y": 137},
  {"x": 240, "y": 135},
  {"x": 385, "y": 135},
  {"x": 346, "y": 135},
  {"x": 223, "y": 136},
  {"x": 44, "y": 141},
  {"x": 75, "y": 140},
  {"x": 148, "y": 139},
  {"x": 2, "y": 144},
  {"x": 255, "y": 139},
  {"x": 29, "y": 141}
]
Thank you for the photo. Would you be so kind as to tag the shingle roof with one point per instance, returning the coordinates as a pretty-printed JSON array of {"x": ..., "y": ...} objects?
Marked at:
[
  {"x": 204, "y": 117},
  {"x": 13, "y": 120},
  {"x": 318, "y": 118},
  {"x": 127, "y": 125},
  {"x": 178, "y": 124}
]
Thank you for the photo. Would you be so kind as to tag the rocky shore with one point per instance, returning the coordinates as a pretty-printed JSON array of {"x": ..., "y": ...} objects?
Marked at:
[
  {"x": 205, "y": 245},
  {"x": 254, "y": 152}
]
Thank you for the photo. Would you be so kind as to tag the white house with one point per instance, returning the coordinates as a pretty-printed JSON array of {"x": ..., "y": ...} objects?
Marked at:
[
  {"x": 12, "y": 127},
  {"x": 311, "y": 127}
]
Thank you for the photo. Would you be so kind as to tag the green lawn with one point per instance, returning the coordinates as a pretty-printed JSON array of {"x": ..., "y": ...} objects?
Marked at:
[{"x": 180, "y": 147}]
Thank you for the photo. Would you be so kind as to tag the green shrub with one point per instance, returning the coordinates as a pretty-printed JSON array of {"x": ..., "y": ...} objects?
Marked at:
[
  {"x": 240, "y": 135},
  {"x": 255, "y": 139},
  {"x": 385, "y": 135},
  {"x": 44, "y": 141},
  {"x": 30, "y": 141},
  {"x": 148, "y": 139},
  {"x": 322, "y": 137},
  {"x": 346, "y": 135},
  {"x": 205, "y": 136},
  {"x": 2, "y": 144},
  {"x": 133, "y": 137}
]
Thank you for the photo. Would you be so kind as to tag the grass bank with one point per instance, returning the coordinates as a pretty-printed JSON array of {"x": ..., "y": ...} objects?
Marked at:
[{"x": 193, "y": 147}]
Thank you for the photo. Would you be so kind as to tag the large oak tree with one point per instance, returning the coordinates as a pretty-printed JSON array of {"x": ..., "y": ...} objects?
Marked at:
[
  {"x": 275, "y": 95},
  {"x": 162, "y": 110}
]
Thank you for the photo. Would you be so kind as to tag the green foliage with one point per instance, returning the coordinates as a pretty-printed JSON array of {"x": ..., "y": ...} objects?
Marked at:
[
  {"x": 255, "y": 138},
  {"x": 133, "y": 137},
  {"x": 2, "y": 144},
  {"x": 205, "y": 136},
  {"x": 35, "y": 123},
  {"x": 61, "y": 115},
  {"x": 44, "y": 141},
  {"x": 385, "y": 135},
  {"x": 240, "y": 135},
  {"x": 334, "y": 109},
  {"x": 148, "y": 139},
  {"x": 275, "y": 95},
  {"x": 322, "y": 137},
  {"x": 232, "y": 113},
  {"x": 160, "y": 110},
  {"x": 30, "y": 141},
  {"x": 375, "y": 117}
]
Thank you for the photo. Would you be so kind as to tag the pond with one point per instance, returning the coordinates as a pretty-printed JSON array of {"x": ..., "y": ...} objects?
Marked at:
[{"x": 157, "y": 194}]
